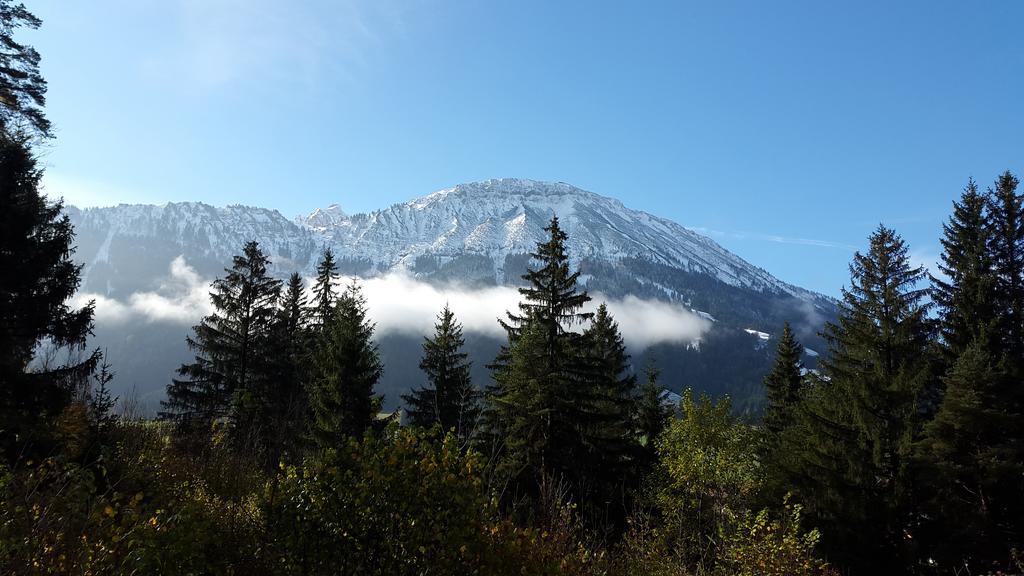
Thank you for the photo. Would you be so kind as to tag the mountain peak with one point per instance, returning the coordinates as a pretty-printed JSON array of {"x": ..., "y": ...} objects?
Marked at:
[{"x": 323, "y": 218}]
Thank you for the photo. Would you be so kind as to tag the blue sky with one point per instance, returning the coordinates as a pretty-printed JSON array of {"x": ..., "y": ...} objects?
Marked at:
[{"x": 785, "y": 130}]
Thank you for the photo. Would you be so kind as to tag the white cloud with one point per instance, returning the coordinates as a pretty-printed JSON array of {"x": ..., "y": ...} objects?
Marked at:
[
  {"x": 402, "y": 304},
  {"x": 182, "y": 297},
  {"x": 398, "y": 303}
]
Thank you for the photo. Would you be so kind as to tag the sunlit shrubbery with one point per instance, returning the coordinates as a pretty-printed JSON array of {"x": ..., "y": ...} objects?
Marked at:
[
  {"x": 762, "y": 546},
  {"x": 395, "y": 505}
]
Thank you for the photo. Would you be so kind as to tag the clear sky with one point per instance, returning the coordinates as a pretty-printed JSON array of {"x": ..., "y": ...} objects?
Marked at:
[{"x": 785, "y": 130}]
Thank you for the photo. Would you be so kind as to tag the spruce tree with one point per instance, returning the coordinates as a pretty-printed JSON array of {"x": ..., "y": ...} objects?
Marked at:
[
  {"x": 230, "y": 376},
  {"x": 783, "y": 391},
  {"x": 969, "y": 461},
  {"x": 519, "y": 416},
  {"x": 651, "y": 416},
  {"x": 551, "y": 307},
  {"x": 1006, "y": 210},
  {"x": 782, "y": 387},
  {"x": 22, "y": 87},
  {"x": 346, "y": 367},
  {"x": 39, "y": 278},
  {"x": 324, "y": 292},
  {"x": 966, "y": 298},
  {"x": 449, "y": 400},
  {"x": 971, "y": 475},
  {"x": 288, "y": 400},
  {"x": 610, "y": 392},
  {"x": 861, "y": 419}
]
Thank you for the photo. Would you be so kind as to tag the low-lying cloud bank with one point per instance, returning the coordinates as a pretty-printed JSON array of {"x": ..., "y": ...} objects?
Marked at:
[{"x": 398, "y": 303}]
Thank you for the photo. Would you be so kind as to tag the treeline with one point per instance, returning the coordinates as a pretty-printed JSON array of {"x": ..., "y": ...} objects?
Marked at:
[{"x": 907, "y": 450}]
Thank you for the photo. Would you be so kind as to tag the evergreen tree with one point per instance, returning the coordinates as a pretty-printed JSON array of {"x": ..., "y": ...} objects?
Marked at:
[
  {"x": 231, "y": 371},
  {"x": 449, "y": 400},
  {"x": 651, "y": 416},
  {"x": 519, "y": 416},
  {"x": 551, "y": 306},
  {"x": 288, "y": 402},
  {"x": 607, "y": 418},
  {"x": 970, "y": 459},
  {"x": 972, "y": 476},
  {"x": 324, "y": 293},
  {"x": 1006, "y": 209},
  {"x": 782, "y": 387},
  {"x": 22, "y": 87},
  {"x": 38, "y": 279},
  {"x": 966, "y": 299},
  {"x": 860, "y": 419},
  {"x": 783, "y": 392},
  {"x": 346, "y": 367},
  {"x": 100, "y": 401}
]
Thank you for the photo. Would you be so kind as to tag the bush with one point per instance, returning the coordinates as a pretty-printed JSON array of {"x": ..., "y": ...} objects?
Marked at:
[
  {"x": 760, "y": 546},
  {"x": 396, "y": 505}
]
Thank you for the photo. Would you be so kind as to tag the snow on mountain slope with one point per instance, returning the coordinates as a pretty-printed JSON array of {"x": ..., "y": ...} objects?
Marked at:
[
  {"x": 481, "y": 228},
  {"x": 496, "y": 218}
]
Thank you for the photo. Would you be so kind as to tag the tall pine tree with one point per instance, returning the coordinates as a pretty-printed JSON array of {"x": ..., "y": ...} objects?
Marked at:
[
  {"x": 1006, "y": 209},
  {"x": 233, "y": 345},
  {"x": 861, "y": 419},
  {"x": 966, "y": 298},
  {"x": 542, "y": 439},
  {"x": 783, "y": 392},
  {"x": 782, "y": 387},
  {"x": 970, "y": 464},
  {"x": 324, "y": 292},
  {"x": 449, "y": 400},
  {"x": 346, "y": 367},
  {"x": 609, "y": 389},
  {"x": 288, "y": 403},
  {"x": 38, "y": 279}
]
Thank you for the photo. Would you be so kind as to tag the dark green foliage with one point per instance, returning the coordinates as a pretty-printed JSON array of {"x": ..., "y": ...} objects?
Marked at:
[
  {"x": 100, "y": 402},
  {"x": 534, "y": 417},
  {"x": 972, "y": 477},
  {"x": 288, "y": 405},
  {"x": 783, "y": 385},
  {"x": 1006, "y": 208},
  {"x": 230, "y": 376},
  {"x": 22, "y": 87},
  {"x": 863, "y": 416},
  {"x": 449, "y": 401},
  {"x": 609, "y": 390},
  {"x": 783, "y": 391},
  {"x": 652, "y": 413},
  {"x": 966, "y": 299},
  {"x": 551, "y": 296},
  {"x": 346, "y": 366},
  {"x": 970, "y": 462},
  {"x": 324, "y": 295},
  {"x": 38, "y": 279}
]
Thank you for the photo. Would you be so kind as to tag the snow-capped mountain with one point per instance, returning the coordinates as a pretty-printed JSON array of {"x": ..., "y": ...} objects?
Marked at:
[
  {"x": 501, "y": 218},
  {"x": 475, "y": 234},
  {"x": 479, "y": 232}
]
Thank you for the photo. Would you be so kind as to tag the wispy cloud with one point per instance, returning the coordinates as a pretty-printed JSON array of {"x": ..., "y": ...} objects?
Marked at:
[
  {"x": 741, "y": 235},
  {"x": 226, "y": 41}
]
